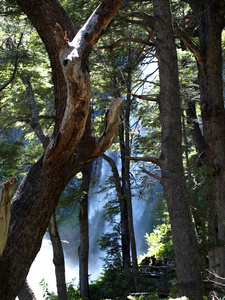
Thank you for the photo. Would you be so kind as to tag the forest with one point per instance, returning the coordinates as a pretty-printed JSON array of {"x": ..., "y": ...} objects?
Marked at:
[{"x": 114, "y": 104}]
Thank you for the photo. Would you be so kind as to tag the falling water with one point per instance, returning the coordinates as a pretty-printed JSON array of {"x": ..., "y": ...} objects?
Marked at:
[{"x": 43, "y": 267}]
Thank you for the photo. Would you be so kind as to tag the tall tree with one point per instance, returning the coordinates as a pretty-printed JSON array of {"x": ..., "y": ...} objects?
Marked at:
[
  {"x": 72, "y": 144},
  {"x": 126, "y": 200},
  {"x": 185, "y": 244},
  {"x": 202, "y": 35}
]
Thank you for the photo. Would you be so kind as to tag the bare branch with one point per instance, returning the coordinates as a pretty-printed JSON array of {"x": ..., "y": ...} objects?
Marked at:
[
  {"x": 215, "y": 274},
  {"x": 3, "y": 86},
  {"x": 135, "y": 48},
  {"x": 143, "y": 16},
  {"x": 74, "y": 60},
  {"x": 142, "y": 97},
  {"x": 112, "y": 126},
  {"x": 151, "y": 159},
  {"x": 34, "y": 122},
  {"x": 115, "y": 174},
  {"x": 188, "y": 41},
  {"x": 135, "y": 40},
  {"x": 24, "y": 120},
  {"x": 147, "y": 81},
  {"x": 151, "y": 174}
]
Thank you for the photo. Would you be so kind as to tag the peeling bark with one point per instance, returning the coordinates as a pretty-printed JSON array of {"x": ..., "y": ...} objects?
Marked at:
[
  {"x": 5, "y": 210},
  {"x": 72, "y": 145}
]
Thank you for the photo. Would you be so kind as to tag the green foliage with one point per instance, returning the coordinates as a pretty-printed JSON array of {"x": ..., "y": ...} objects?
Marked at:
[
  {"x": 114, "y": 284},
  {"x": 110, "y": 243},
  {"x": 22, "y": 47},
  {"x": 72, "y": 293},
  {"x": 159, "y": 241},
  {"x": 46, "y": 294}
]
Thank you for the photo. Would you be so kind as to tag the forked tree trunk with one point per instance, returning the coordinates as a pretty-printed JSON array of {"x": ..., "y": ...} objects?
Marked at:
[
  {"x": 72, "y": 145},
  {"x": 185, "y": 244},
  {"x": 58, "y": 256}
]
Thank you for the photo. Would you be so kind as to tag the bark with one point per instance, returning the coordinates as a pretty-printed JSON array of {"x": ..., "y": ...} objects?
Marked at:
[
  {"x": 26, "y": 293},
  {"x": 184, "y": 239},
  {"x": 210, "y": 28},
  {"x": 58, "y": 256},
  {"x": 34, "y": 121},
  {"x": 84, "y": 232},
  {"x": 195, "y": 131},
  {"x": 126, "y": 187},
  {"x": 209, "y": 23},
  {"x": 37, "y": 196},
  {"x": 125, "y": 241},
  {"x": 5, "y": 210},
  {"x": 58, "y": 259},
  {"x": 123, "y": 207}
]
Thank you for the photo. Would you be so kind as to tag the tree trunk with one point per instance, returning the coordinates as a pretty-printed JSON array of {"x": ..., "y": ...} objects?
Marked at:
[
  {"x": 210, "y": 27},
  {"x": 184, "y": 239},
  {"x": 72, "y": 144},
  {"x": 58, "y": 259},
  {"x": 84, "y": 234},
  {"x": 26, "y": 292},
  {"x": 126, "y": 188},
  {"x": 125, "y": 241},
  {"x": 123, "y": 208},
  {"x": 5, "y": 210}
]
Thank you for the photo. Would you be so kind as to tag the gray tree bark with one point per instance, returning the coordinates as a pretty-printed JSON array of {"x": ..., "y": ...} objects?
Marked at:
[
  {"x": 208, "y": 17},
  {"x": 185, "y": 244}
]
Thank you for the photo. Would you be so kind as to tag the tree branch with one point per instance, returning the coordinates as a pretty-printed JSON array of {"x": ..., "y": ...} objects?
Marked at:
[
  {"x": 112, "y": 126},
  {"x": 142, "y": 97},
  {"x": 74, "y": 60},
  {"x": 118, "y": 42},
  {"x": 3, "y": 86},
  {"x": 151, "y": 159},
  {"x": 34, "y": 122},
  {"x": 151, "y": 174},
  {"x": 143, "y": 16},
  {"x": 115, "y": 174},
  {"x": 25, "y": 120},
  {"x": 188, "y": 41}
]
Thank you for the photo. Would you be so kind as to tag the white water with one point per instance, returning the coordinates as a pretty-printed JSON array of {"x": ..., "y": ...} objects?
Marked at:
[{"x": 43, "y": 267}]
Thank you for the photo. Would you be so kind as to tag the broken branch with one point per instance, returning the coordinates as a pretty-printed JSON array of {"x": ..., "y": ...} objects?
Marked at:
[
  {"x": 151, "y": 159},
  {"x": 151, "y": 174}
]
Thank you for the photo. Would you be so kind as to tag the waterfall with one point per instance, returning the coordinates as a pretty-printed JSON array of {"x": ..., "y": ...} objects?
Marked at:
[{"x": 143, "y": 222}]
